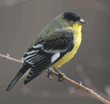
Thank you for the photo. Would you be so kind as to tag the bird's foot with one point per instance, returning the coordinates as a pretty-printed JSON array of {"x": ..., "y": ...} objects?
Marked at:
[
  {"x": 60, "y": 75},
  {"x": 49, "y": 74}
]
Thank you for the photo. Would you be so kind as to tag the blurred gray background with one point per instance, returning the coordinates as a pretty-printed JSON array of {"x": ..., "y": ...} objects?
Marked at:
[{"x": 22, "y": 20}]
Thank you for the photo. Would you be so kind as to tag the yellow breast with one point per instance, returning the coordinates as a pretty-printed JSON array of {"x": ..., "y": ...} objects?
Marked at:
[{"x": 77, "y": 41}]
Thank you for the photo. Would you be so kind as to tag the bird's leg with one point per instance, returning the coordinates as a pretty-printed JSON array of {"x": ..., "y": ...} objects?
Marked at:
[
  {"x": 49, "y": 72},
  {"x": 60, "y": 74}
]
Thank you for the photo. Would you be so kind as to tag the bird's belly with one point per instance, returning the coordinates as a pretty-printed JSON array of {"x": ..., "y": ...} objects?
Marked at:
[
  {"x": 77, "y": 42},
  {"x": 66, "y": 57}
]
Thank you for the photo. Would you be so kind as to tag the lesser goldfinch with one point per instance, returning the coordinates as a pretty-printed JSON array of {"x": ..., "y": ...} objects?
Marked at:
[{"x": 54, "y": 46}]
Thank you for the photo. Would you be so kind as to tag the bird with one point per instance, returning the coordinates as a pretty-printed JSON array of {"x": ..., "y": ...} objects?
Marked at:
[{"x": 56, "y": 44}]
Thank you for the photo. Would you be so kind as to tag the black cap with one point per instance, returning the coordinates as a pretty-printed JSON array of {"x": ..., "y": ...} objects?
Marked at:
[{"x": 71, "y": 16}]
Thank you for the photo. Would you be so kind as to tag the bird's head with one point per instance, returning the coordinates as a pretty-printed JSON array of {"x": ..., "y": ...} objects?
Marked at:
[
  {"x": 73, "y": 17},
  {"x": 71, "y": 20}
]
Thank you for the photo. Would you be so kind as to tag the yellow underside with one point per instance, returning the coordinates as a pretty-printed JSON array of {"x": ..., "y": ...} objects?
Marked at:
[{"x": 77, "y": 42}]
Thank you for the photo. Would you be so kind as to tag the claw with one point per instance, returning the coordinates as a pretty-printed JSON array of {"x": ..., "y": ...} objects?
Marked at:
[
  {"x": 48, "y": 75},
  {"x": 60, "y": 74},
  {"x": 59, "y": 77}
]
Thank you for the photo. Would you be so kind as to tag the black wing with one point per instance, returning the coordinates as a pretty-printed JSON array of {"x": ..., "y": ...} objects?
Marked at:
[{"x": 45, "y": 53}]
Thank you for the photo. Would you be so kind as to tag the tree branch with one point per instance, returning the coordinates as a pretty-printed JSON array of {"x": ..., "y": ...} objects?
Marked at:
[{"x": 79, "y": 85}]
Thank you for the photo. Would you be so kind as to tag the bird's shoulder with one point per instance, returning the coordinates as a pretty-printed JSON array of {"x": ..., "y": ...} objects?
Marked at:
[
  {"x": 59, "y": 34},
  {"x": 60, "y": 38}
]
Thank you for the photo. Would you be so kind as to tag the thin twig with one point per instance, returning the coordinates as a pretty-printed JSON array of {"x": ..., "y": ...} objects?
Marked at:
[
  {"x": 7, "y": 57},
  {"x": 79, "y": 85}
]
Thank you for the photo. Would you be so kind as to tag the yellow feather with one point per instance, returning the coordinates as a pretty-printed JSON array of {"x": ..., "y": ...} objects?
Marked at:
[{"x": 77, "y": 41}]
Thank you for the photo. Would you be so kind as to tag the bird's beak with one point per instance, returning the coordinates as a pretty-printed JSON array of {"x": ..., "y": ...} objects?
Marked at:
[{"x": 83, "y": 21}]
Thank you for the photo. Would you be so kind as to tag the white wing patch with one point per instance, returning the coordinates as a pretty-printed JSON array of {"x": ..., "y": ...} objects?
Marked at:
[
  {"x": 38, "y": 46},
  {"x": 29, "y": 56},
  {"x": 55, "y": 57},
  {"x": 33, "y": 51}
]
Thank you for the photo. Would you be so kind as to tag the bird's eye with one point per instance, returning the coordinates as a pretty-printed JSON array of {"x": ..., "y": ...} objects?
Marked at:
[{"x": 76, "y": 19}]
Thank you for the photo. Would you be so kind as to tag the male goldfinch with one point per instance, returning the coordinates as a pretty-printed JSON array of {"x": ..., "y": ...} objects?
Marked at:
[{"x": 55, "y": 45}]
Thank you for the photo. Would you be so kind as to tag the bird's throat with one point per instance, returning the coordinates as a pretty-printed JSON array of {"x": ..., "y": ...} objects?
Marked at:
[{"x": 76, "y": 27}]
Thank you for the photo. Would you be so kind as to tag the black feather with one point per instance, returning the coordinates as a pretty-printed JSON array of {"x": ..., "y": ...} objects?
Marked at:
[
  {"x": 71, "y": 16},
  {"x": 21, "y": 72}
]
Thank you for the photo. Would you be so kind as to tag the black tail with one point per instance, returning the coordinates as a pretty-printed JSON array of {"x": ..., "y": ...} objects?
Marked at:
[{"x": 21, "y": 72}]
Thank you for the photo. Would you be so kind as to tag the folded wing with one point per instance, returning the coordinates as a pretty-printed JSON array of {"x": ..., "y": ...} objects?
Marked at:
[{"x": 47, "y": 51}]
